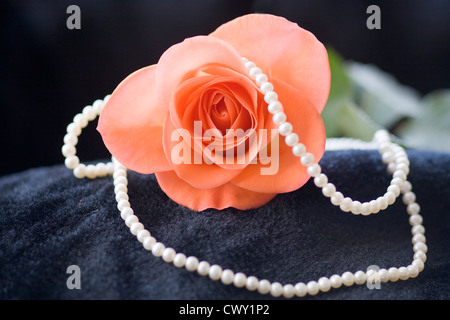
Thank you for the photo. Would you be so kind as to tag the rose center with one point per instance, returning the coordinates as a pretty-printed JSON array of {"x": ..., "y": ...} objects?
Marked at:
[{"x": 220, "y": 114}]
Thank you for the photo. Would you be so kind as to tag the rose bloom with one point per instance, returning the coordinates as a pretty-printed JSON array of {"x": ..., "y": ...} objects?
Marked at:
[{"x": 201, "y": 85}]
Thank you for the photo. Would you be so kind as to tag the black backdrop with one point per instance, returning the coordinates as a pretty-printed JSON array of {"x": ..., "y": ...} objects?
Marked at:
[{"x": 48, "y": 72}]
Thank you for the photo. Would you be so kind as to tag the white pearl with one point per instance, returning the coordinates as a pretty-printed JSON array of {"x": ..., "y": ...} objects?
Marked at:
[
  {"x": 403, "y": 167},
  {"x": 249, "y": 64},
  {"x": 72, "y": 162},
  {"x": 191, "y": 263},
  {"x": 288, "y": 291},
  {"x": 397, "y": 182},
  {"x": 407, "y": 186},
  {"x": 337, "y": 198},
  {"x": 285, "y": 128},
  {"x": 101, "y": 169},
  {"x": 299, "y": 149},
  {"x": 126, "y": 212},
  {"x": 390, "y": 197},
  {"x": 227, "y": 277},
  {"x": 244, "y": 59},
  {"x": 328, "y": 190},
  {"x": 403, "y": 273},
  {"x": 307, "y": 159},
  {"x": 335, "y": 281},
  {"x": 384, "y": 147},
  {"x": 413, "y": 271},
  {"x": 158, "y": 249},
  {"x": 179, "y": 260},
  {"x": 80, "y": 120},
  {"x": 270, "y": 96},
  {"x": 365, "y": 209},
  {"x": 346, "y": 204},
  {"x": 136, "y": 227},
  {"x": 279, "y": 118},
  {"x": 120, "y": 180},
  {"x": 382, "y": 202},
  {"x": 421, "y": 256},
  {"x": 70, "y": 139},
  {"x": 275, "y": 107},
  {"x": 374, "y": 206},
  {"x": 291, "y": 139},
  {"x": 91, "y": 171},
  {"x": 399, "y": 174},
  {"x": 420, "y": 246},
  {"x": 215, "y": 272},
  {"x": 394, "y": 274},
  {"x": 419, "y": 264},
  {"x": 68, "y": 150},
  {"x": 313, "y": 287},
  {"x": 122, "y": 204},
  {"x": 300, "y": 289},
  {"x": 98, "y": 106},
  {"x": 276, "y": 289},
  {"x": 122, "y": 196},
  {"x": 360, "y": 277},
  {"x": 203, "y": 268},
  {"x": 381, "y": 136},
  {"x": 348, "y": 278},
  {"x": 266, "y": 87},
  {"x": 120, "y": 188},
  {"x": 384, "y": 275},
  {"x": 74, "y": 129},
  {"x": 168, "y": 254},
  {"x": 395, "y": 189},
  {"x": 110, "y": 168},
  {"x": 324, "y": 284},
  {"x": 418, "y": 229},
  {"x": 413, "y": 208},
  {"x": 253, "y": 72},
  {"x": 252, "y": 283},
  {"x": 260, "y": 79},
  {"x": 240, "y": 279},
  {"x": 130, "y": 220},
  {"x": 149, "y": 243},
  {"x": 387, "y": 157},
  {"x": 321, "y": 180},
  {"x": 89, "y": 113},
  {"x": 356, "y": 207},
  {"x": 391, "y": 168},
  {"x": 142, "y": 235},
  {"x": 314, "y": 170},
  {"x": 119, "y": 173},
  {"x": 264, "y": 286},
  {"x": 415, "y": 219}
]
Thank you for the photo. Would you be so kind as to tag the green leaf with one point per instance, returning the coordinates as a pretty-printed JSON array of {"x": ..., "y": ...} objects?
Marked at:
[
  {"x": 431, "y": 128},
  {"x": 381, "y": 96},
  {"x": 341, "y": 116}
]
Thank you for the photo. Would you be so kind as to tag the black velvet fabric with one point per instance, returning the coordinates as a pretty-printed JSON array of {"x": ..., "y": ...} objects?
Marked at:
[{"x": 50, "y": 220}]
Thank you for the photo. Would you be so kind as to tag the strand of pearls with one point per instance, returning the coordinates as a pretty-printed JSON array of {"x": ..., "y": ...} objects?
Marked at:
[
  {"x": 80, "y": 121},
  {"x": 393, "y": 155}
]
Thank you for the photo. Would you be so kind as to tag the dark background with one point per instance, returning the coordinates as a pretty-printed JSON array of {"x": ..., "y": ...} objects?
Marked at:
[{"x": 49, "y": 73}]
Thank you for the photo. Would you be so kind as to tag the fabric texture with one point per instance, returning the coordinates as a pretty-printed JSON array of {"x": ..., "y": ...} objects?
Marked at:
[{"x": 50, "y": 220}]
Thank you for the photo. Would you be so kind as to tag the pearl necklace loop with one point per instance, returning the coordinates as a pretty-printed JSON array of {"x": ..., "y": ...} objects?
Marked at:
[{"x": 394, "y": 156}]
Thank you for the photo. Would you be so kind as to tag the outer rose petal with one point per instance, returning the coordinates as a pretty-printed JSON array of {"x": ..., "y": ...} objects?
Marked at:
[
  {"x": 183, "y": 60},
  {"x": 291, "y": 173},
  {"x": 131, "y": 123},
  {"x": 282, "y": 50},
  {"x": 219, "y": 198}
]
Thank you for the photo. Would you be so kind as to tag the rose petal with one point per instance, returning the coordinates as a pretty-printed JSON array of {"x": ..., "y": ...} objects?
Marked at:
[
  {"x": 291, "y": 174},
  {"x": 131, "y": 123},
  {"x": 219, "y": 198},
  {"x": 200, "y": 175},
  {"x": 282, "y": 50},
  {"x": 183, "y": 60}
]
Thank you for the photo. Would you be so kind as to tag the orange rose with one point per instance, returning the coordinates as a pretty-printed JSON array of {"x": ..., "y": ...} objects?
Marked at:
[{"x": 201, "y": 125}]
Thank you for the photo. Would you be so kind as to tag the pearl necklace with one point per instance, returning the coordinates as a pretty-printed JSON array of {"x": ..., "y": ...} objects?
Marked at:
[{"x": 393, "y": 155}]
